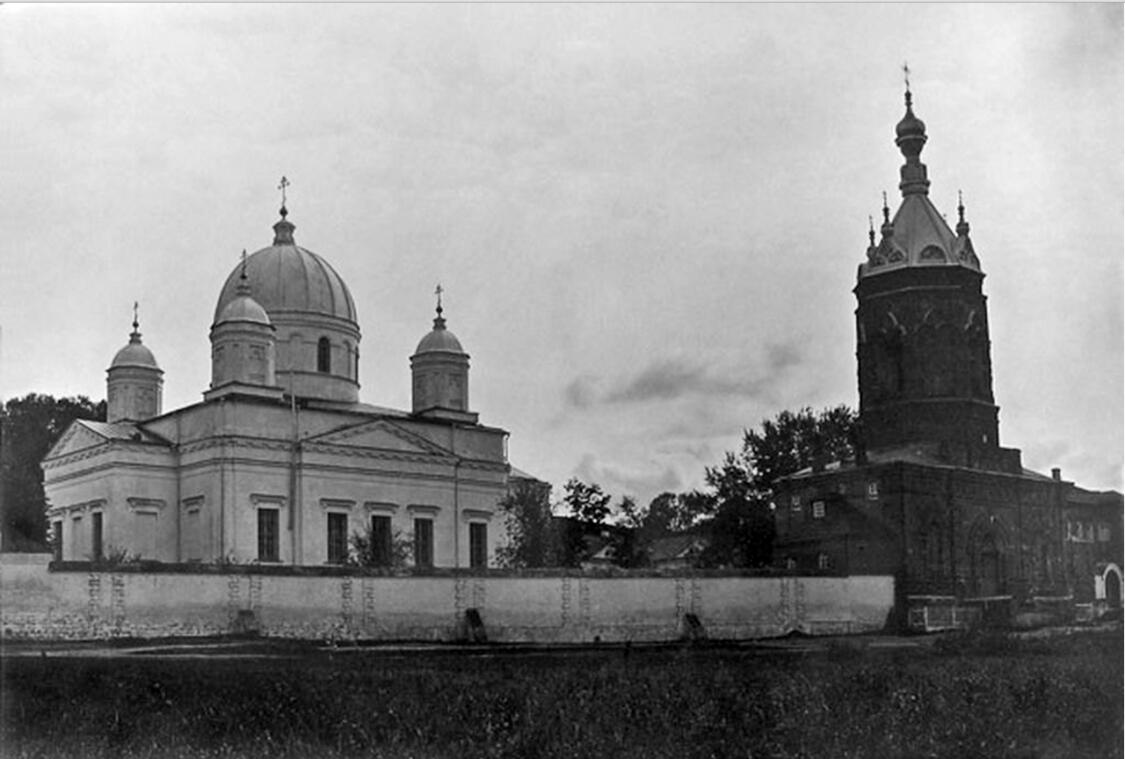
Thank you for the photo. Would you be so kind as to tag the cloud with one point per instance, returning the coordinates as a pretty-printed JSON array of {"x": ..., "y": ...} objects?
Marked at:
[
  {"x": 580, "y": 392},
  {"x": 663, "y": 380},
  {"x": 643, "y": 484},
  {"x": 668, "y": 379}
]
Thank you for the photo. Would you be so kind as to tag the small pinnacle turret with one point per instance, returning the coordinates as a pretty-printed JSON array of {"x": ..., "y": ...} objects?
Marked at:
[
  {"x": 962, "y": 225},
  {"x": 134, "y": 380},
  {"x": 440, "y": 372}
]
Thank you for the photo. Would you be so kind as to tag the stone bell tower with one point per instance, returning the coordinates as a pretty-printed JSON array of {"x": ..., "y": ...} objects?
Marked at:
[{"x": 922, "y": 343}]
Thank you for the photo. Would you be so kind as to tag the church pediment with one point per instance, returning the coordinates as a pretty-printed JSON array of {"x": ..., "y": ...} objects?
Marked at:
[
  {"x": 381, "y": 435},
  {"x": 78, "y": 437}
]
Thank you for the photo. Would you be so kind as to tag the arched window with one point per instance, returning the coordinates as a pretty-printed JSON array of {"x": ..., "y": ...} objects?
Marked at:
[{"x": 323, "y": 355}]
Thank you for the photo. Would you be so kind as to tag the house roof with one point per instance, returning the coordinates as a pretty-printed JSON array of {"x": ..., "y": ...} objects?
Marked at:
[
  {"x": 909, "y": 454},
  {"x": 1082, "y": 497},
  {"x": 520, "y": 474},
  {"x": 674, "y": 547}
]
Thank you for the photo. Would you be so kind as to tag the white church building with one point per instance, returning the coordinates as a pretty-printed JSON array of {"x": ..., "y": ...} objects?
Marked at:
[{"x": 280, "y": 462}]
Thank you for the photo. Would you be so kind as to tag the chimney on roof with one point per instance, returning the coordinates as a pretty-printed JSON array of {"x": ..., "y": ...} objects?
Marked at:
[{"x": 1056, "y": 474}]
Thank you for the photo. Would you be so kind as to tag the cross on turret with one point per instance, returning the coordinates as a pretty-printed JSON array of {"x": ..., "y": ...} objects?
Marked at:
[{"x": 282, "y": 186}]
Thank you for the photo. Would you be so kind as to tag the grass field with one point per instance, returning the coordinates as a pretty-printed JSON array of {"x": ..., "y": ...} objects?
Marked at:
[{"x": 977, "y": 697}]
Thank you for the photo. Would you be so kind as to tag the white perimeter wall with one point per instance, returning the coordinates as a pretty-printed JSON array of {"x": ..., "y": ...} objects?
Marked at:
[{"x": 38, "y": 604}]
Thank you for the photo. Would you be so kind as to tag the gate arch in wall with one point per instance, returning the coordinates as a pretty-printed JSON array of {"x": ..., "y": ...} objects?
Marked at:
[
  {"x": 1107, "y": 585},
  {"x": 988, "y": 557}
]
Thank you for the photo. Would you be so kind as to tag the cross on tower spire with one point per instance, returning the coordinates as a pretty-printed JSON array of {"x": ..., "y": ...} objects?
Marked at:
[
  {"x": 135, "y": 335},
  {"x": 439, "y": 320}
]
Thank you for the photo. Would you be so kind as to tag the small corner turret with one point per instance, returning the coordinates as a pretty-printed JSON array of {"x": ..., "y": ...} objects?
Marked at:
[
  {"x": 134, "y": 381},
  {"x": 440, "y": 374}
]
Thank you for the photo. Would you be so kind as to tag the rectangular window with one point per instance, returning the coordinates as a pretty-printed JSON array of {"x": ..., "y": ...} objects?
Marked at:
[
  {"x": 96, "y": 535},
  {"x": 423, "y": 542},
  {"x": 818, "y": 509},
  {"x": 337, "y": 538},
  {"x": 872, "y": 490},
  {"x": 192, "y": 537},
  {"x": 478, "y": 545},
  {"x": 822, "y": 561},
  {"x": 795, "y": 503},
  {"x": 1103, "y": 533},
  {"x": 268, "y": 539},
  {"x": 381, "y": 541},
  {"x": 77, "y": 538},
  {"x": 144, "y": 540},
  {"x": 56, "y": 539}
]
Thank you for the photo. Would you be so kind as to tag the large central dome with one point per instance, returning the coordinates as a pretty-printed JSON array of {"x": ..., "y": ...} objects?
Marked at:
[
  {"x": 312, "y": 311},
  {"x": 287, "y": 277}
]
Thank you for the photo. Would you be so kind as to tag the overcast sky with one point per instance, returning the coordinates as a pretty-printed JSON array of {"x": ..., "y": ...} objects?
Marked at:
[{"x": 646, "y": 218}]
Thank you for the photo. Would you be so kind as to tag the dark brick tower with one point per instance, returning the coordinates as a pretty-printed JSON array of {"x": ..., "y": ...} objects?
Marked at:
[{"x": 925, "y": 371}]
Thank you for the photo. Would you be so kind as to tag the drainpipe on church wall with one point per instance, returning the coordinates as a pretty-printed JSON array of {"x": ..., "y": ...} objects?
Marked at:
[
  {"x": 456, "y": 497},
  {"x": 222, "y": 481},
  {"x": 456, "y": 514},
  {"x": 293, "y": 477},
  {"x": 179, "y": 510}
]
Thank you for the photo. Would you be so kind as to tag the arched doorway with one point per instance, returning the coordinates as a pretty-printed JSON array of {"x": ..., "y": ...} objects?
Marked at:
[
  {"x": 988, "y": 559},
  {"x": 1111, "y": 580},
  {"x": 991, "y": 574}
]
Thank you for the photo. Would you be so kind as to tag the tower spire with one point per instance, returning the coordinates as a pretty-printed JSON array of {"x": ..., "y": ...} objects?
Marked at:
[{"x": 910, "y": 137}]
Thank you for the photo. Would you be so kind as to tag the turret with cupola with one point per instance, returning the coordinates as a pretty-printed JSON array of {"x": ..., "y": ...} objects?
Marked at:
[
  {"x": 243, "y": 346},
  {"x": 440, "y": 374},
  {"x": 134, "y": 381}
]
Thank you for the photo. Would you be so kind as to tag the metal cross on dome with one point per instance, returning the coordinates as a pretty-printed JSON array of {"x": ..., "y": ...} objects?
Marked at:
[
  {"x": 438, "y": 291},
  {"x": 282, "y": 186},
  {"x": 906, "y": 75}
]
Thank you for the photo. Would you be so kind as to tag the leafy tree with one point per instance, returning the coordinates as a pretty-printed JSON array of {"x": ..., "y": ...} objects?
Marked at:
[
  {"x": 742, "y": 530},
  {"x": 29, "y": 426},
  {"x": 533, "y": 538},
  {"x": 675, "y": 512},
  {"x": 587, "y": 503},
  {"x": 371, "y": 550},
  {"x": 792, "y": 442},
  {"x": 628, "y": 550}
]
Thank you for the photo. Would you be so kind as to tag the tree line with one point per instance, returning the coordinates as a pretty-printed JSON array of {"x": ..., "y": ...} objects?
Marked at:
[
  {"x": 29, "y": 426},
  {"x": 732, "y": 515}
]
